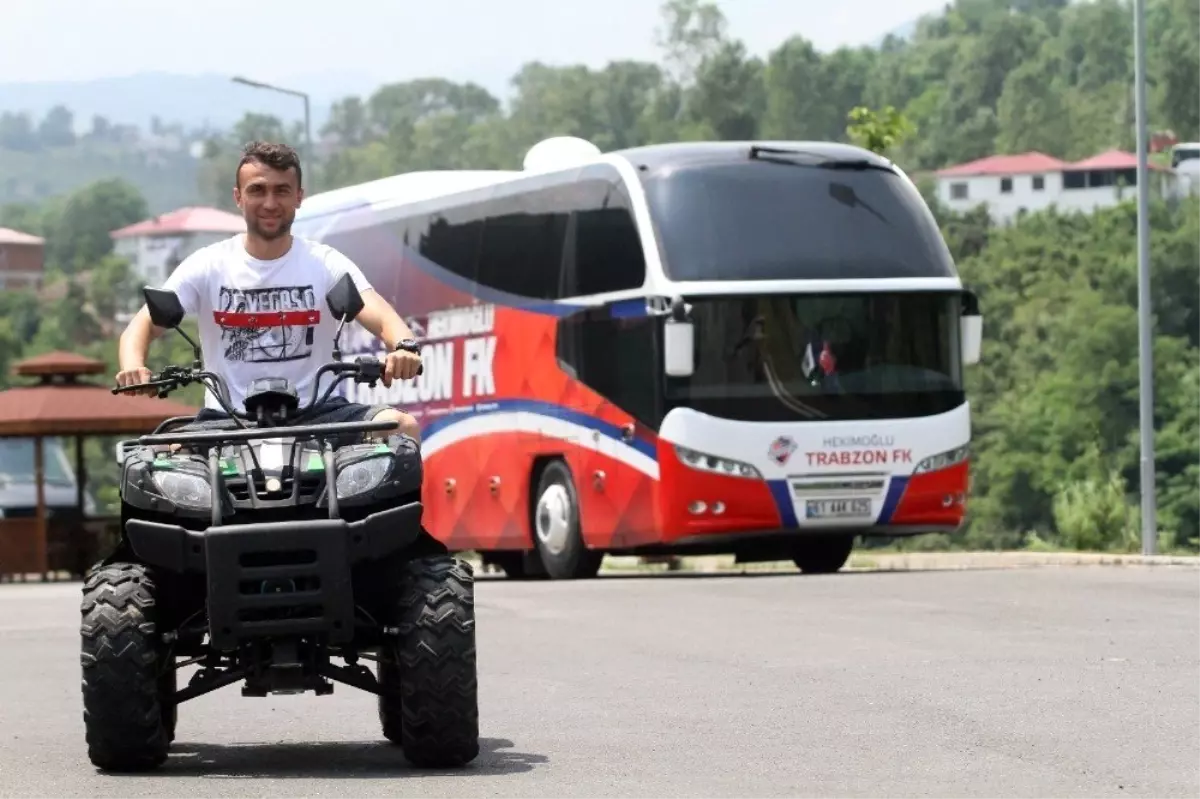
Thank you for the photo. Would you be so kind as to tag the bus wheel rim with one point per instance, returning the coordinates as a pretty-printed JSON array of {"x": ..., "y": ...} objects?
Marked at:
[{"x": 553, "y": 518}]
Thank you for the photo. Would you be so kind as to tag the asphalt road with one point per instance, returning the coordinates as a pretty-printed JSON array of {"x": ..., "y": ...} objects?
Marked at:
[{"x": 1079, "y": 681}]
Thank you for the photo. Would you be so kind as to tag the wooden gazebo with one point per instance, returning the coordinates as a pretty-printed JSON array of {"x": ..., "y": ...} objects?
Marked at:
[{"x": 59, "y": 404}]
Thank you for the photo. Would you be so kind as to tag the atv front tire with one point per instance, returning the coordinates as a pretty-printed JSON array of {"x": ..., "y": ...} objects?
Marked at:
[
  {"x": 123, "y": 664},
  {"x": 430, "y": 706}
]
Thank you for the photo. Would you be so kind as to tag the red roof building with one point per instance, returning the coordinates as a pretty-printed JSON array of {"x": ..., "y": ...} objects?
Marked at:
[
  {"x": 1009, "y": 185},
  {"x": 154, "y": 247},
  {"x": 184, "y": 221},
  {"x": 1111, "y": 160},
  {"x": 1031, "y": 163},
  {"x": 22, "y": 260}
]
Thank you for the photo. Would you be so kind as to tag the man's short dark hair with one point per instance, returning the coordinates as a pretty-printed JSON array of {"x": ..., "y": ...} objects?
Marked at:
[{"x": 275, "y": 156}]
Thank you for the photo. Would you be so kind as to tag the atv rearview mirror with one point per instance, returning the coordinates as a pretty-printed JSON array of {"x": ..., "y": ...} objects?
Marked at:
[
  {"x": 166, "y": 310},
  {"x": 345, "y": 303},
  {"x": 344, "y": 300}
]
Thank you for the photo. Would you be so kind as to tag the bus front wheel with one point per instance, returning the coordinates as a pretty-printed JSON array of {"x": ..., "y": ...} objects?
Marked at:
[
  {"x": 822, "y": 554},
  {"x": 556, "y": 529}
]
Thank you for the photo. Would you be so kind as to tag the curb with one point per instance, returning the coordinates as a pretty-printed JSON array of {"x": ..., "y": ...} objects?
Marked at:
[
  {"x": 916, "y": 561},
  {"x": 1013, "y": 560}
]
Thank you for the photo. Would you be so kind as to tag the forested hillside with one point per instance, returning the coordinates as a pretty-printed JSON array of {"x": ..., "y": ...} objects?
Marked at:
[
  {"x": 1055, "y": 399},
  {"x": 987, "y": 76}
]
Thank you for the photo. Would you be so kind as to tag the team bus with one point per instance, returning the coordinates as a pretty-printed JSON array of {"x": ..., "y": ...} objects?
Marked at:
[{"x": 747, "y": 348}]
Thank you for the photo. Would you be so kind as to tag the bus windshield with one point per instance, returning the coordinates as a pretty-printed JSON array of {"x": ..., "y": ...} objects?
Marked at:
[
  {"x": 823, "y": 357},
  {"x": 771, "y": 220}
]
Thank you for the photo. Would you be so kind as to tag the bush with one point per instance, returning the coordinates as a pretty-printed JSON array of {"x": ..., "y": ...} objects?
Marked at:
[{"x": 1094, "y": 514}]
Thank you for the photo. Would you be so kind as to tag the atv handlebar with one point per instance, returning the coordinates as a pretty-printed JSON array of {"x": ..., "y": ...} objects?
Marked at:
[{"x": 365, "y": 369}]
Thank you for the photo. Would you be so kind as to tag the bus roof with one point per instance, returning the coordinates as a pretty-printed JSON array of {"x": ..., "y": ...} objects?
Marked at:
[
  {"x": 653, "y": 157},
  {"x": 408, "y": 187},
  {"x": 414, "y": 187}
]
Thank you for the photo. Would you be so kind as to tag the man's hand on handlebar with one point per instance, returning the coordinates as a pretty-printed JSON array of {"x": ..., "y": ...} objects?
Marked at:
[
  {"x": 400, "y": 365},
  {"x": 139, "y": 374}
]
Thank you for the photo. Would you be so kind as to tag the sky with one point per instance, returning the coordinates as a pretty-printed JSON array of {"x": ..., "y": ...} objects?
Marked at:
[{"x": 357, "y": 44}]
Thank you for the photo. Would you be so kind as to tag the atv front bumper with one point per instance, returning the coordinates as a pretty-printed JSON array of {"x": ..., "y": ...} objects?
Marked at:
[{"x": 277, "y": 578}]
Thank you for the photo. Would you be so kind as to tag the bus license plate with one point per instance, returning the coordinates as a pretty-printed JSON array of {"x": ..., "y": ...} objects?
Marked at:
[{"x": 837, "y": 508}]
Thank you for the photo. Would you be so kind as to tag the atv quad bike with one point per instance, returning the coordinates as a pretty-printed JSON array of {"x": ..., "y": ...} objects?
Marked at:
[{"x": 262, "y": 549}]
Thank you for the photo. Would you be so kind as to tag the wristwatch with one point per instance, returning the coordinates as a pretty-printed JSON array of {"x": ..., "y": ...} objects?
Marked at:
[{"x": 409, "y": 345}]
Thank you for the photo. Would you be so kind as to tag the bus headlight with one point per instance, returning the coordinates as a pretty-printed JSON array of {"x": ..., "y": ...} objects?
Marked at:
[
  {"x": 715, "y": 464},
  {"x": 943, "y": 460}
]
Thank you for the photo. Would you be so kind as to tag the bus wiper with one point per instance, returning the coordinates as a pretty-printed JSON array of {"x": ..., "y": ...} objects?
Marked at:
[
  {"x": 847, "y": 196},
  {"x": 754, "y": 332},
  {"x": 780, "y": 155}
]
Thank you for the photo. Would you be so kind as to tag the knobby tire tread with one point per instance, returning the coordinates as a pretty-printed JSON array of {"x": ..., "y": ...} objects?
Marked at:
[
  {"x": 122, "y": 668},
  {"x": 430, "y": 706}
]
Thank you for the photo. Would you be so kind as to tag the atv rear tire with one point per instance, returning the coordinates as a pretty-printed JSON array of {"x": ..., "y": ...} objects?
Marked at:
[
  {"x": 123, "y": 665},
  {"x": 431, "y": 708}
]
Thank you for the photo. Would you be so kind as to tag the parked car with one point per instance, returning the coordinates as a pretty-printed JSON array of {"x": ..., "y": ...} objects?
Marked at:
[{"x": 18, "y": 483}]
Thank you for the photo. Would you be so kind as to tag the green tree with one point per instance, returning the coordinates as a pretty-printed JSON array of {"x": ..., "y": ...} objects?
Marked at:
[
  {"x": 17, "y": 132},
  {"x": 878, "y": 131},
  {"x": 727, "y": 98},
  {"x": 113, "y": 287},
  {"x": 792, "y": 109},
  {"x": 691, "y": 32},
  {"x": 1030, "y": 113},
  {"x": 57, "y": 128},
  {"x": 78, "y": 236},
  {"x": 1173, "y": 32}
]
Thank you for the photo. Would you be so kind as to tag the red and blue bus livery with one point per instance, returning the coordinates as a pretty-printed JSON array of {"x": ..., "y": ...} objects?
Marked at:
[{"x": 702, "y": 348}]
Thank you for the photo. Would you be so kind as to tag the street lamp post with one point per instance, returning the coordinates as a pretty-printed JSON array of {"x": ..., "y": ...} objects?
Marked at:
[
  {"x": 308, "y": 148},
  {"x": 1145, "y": 329}
]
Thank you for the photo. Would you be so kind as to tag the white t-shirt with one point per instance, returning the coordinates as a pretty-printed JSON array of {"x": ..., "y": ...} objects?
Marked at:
[{"x": 263, "y": 318}]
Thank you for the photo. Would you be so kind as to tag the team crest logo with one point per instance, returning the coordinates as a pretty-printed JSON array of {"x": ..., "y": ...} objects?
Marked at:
[{"x": 781, "y": 449}]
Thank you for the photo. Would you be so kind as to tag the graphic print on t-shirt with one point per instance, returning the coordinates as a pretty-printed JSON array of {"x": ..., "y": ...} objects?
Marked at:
[{"x": 267, "y": 325}]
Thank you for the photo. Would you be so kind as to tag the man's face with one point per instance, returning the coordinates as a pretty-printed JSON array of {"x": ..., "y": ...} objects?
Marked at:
[{"x": 268, "y": 199}]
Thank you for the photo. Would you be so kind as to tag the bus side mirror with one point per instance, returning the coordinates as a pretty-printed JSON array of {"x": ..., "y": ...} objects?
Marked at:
[
  {"x": 679, "y": 341},
  {"x": 971, "y": 329}
]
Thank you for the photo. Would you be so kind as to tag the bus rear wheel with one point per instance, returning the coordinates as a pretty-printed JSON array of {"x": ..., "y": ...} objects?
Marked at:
[
  {"x": 556, "y": 530},
  {"x": 822, "y": 554}
]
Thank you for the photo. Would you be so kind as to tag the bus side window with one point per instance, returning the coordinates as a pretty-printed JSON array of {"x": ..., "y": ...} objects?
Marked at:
[
  {"x": 607, "y": 253},
  {"x": 450, "y": 240},
  {"x": 523, "y": 244}
]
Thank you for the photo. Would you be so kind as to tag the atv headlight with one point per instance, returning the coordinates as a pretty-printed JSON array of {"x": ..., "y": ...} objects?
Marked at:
[
  {"x": 183, "y": 489},
  {"x": 362, "y": 476}
]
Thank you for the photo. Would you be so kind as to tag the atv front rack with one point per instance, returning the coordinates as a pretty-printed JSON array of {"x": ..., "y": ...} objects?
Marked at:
[
  {"x": 305, "y": 432},
  {"x": 277, "y": 578},
  {"x": 298, "y": 432}
]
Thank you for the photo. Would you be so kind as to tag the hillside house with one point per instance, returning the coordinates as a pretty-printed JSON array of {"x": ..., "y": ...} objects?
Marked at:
[
  {"x": 156, "y": 246},
  {"x": 22, "y": 260},
  {"x": 1033, "y": 181}
]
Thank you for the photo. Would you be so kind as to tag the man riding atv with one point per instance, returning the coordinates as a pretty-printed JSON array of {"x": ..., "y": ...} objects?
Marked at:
[
  {"x": 267, "y": 536},
  {"x": 240, "y": 287}
]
